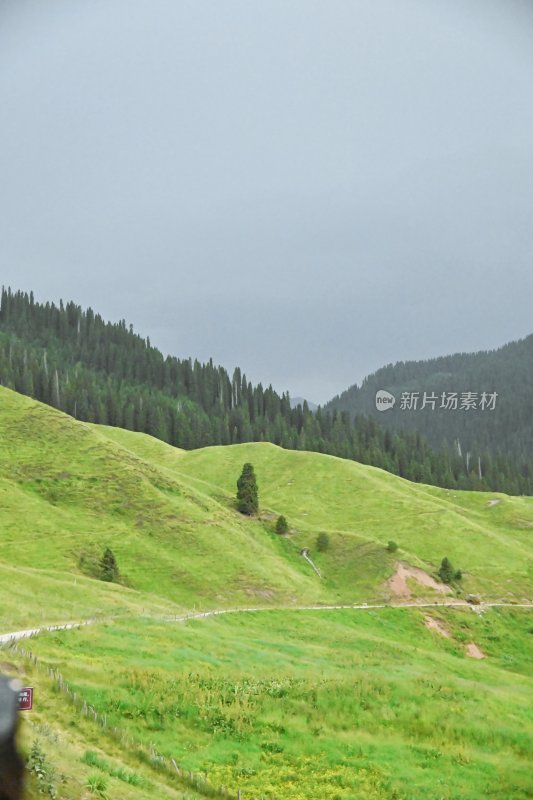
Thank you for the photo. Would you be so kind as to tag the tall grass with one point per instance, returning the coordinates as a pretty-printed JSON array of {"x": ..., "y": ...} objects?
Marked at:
[{"x": 330, "y": 705}]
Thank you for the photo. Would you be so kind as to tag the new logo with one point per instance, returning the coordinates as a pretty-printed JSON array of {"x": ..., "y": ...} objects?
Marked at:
[{"x": 384, "y": 400}]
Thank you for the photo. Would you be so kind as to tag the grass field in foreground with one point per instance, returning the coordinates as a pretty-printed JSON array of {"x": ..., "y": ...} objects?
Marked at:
[
  {"x": 330, "y": 705},
  {"x": 77, "y": 751}
]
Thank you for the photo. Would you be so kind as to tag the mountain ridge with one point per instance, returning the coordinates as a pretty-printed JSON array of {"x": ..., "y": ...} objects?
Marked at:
[
  {"x": 507, "y": 370},
  {"x": 103, "y": 372}
]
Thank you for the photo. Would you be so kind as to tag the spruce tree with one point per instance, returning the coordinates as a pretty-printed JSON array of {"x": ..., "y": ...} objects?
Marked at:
[
  {"x": 108, "y": 566},
  {"x": 446, "y": 571},
  {"x": 247, "y": 494}
]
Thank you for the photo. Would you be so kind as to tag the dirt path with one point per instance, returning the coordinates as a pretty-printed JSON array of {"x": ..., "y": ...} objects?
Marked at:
[
  {"x": 16, "y": 635},
  {"x": 5, "y": 638},
  {"x": 305, "y": 554}
]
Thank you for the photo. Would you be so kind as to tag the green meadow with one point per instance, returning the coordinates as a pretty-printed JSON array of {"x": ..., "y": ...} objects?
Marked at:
[
  {"x": 333, "y": 705},
  {"x": 285, "y": 703}
]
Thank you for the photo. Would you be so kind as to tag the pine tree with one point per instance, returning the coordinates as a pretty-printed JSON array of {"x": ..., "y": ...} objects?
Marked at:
[
  {"x": 247, "y": 493},
  {"x": 108, "y": 566},
  {"x": 446, "y": 571}
]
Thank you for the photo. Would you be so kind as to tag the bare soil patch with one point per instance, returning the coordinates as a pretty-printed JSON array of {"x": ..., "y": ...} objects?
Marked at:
[
  {"x": 524, "y": 523},
  {"x": 474, "y": 651},
  {"x": 398, "y": 583},
  {"x": 436, "y": 625}
]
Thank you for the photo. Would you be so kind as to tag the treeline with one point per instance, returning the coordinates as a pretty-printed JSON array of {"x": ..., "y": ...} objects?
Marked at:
[
  {"x": 507, "y": 371},
  {"x": 103, "y": 372}
]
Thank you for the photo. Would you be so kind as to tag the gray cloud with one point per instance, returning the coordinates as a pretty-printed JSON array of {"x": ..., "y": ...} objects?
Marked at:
[{"x": 307, "y": 189}]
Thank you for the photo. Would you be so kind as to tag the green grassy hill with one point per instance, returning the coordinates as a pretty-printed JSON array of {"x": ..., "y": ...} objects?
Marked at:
[
  {"x": 67, "y": 492},
  {"x": 285, "y": 703},
  {"x": 362, "y": 508},
  {"x": 70, "y": 489},
  {"x": 331, "y": 705}
]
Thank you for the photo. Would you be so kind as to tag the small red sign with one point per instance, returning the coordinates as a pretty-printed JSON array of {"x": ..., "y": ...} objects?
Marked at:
[{"x": 25, "y": 699}]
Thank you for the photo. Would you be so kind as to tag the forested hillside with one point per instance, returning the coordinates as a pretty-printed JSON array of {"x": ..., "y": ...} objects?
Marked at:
[
  {"x": 505, "y": 428},
  {"x": 103, "y": 372}
]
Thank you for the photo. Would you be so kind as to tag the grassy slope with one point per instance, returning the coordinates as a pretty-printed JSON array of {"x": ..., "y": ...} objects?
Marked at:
[
  {"x": 332, "y": 705},
  {"x": 68, "y": 488},
  {"x": 65, "y": 489},
  {"x": 359, "y": 706},
  {"x": 66, "y": 737},
  {"x": 362, "y": 508}
]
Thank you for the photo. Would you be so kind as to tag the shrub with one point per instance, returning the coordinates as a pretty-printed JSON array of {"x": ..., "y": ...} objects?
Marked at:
[
  {"x": 282, "y": 525},
  {"x": 392, "y": 546},
  {"x": 322, "y": 542}
]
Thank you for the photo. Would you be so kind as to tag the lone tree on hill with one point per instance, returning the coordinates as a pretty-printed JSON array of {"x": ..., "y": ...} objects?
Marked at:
[
  {"x": 281, "y": 525},
  {"x": 108, "y": 566},
  {"x": 247, "y": 494}
]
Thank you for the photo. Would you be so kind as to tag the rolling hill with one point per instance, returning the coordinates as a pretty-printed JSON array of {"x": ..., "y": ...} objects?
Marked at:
[
  {"x": 71, "y": 489},
  {"x": 339, "y": 704}
]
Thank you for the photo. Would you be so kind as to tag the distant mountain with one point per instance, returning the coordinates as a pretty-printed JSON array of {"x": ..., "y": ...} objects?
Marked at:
[
  {"x": 482, "y": 400},
  {"x": 299, "y": 401}
]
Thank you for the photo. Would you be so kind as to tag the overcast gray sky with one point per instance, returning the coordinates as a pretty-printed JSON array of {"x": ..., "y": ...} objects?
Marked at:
[{"x": 306, "y": 189}]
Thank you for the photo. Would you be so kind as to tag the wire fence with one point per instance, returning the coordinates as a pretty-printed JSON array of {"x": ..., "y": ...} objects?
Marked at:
[{"x": 147, "y": 753}]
